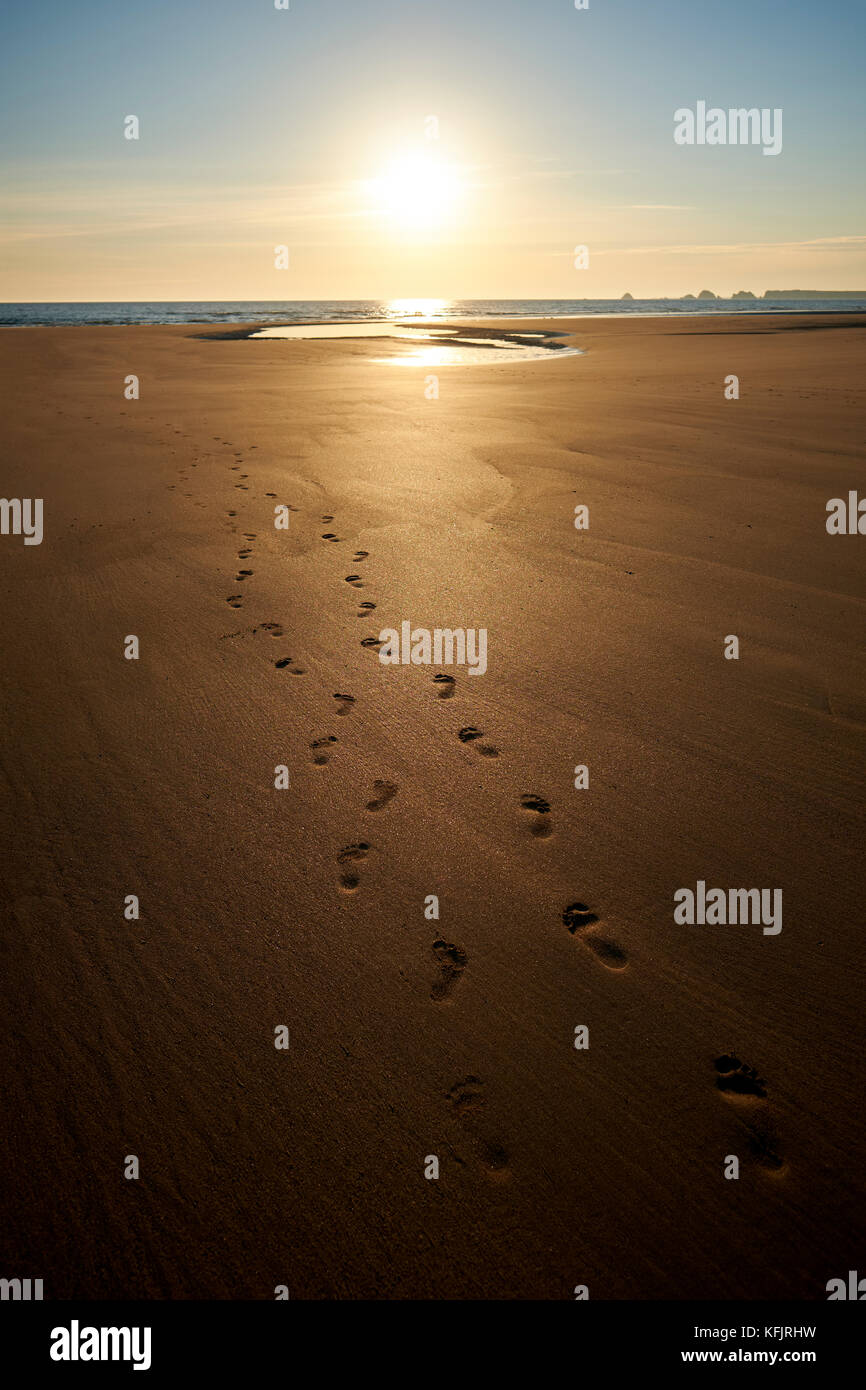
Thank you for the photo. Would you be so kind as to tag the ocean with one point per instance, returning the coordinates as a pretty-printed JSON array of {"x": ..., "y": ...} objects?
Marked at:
[{"x": 375, "y": 310}]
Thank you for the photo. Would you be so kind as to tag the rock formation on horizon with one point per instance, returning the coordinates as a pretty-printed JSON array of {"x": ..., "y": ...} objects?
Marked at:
[{"x": 814, "y": 294}]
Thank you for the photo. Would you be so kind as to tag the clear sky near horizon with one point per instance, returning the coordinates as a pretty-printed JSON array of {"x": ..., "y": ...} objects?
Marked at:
[{"x": 310, "y": 128}]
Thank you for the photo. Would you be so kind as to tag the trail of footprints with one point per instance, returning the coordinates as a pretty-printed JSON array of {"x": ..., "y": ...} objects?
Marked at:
[
  {"x": 739, "y": 1084},
  {"x": 451, "y": 960}
]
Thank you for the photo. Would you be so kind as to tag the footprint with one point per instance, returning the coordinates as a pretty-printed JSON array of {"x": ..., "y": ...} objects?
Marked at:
[
  {"x": 350, "y": 880},
  {"x": 386, "y": 791},
  {"x": 466, "y": 1098},
  {"x": 352, "y": 853},
  {"x": 242, "y": 575},
  {"x": 327, "y": 518},
  {"x": 234, "y": 600},
  {"x": 581, "y": 921},
  {"x": 466, "y": 1095},
  {"x": 285, "y": 661},
  {"x": 735, "y": 1078},
  {"x": 372, "y": 642},
  {"x": 275, "y": 629},
  {"x": 470, "y": 734},
  {"x": 446, "y": 686},
  {"x": 328, "y": 536},
  {"x": 744, "y": 1087},
  {"x": 360, "y": 555},
  {"x": 355, "y": 580},
  {"x": 541, "y": 810},
  {"x": 320, "y": 756},
  {"x": 346, "y": 703},
  {"x": 452, "y": 961}
]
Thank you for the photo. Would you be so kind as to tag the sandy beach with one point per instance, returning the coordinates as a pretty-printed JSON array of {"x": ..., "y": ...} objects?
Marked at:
[{"x": 413, "y": 1037}]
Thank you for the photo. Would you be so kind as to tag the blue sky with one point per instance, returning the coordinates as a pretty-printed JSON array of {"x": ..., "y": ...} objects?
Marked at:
[{"x": 261, "y": 127}]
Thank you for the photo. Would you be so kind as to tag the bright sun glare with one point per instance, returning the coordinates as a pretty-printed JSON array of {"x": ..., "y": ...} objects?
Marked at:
[{"x": 417, "y": 192}]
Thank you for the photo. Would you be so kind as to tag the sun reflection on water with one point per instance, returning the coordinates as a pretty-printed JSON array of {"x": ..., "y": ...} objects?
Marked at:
[{"x": 417, "y": 308}]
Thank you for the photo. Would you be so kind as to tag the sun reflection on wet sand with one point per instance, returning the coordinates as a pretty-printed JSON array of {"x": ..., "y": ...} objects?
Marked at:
[{"x": 437, "y": 346}]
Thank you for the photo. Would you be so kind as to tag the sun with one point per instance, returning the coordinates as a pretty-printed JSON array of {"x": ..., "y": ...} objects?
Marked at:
[{"x": 417, "y": 192}]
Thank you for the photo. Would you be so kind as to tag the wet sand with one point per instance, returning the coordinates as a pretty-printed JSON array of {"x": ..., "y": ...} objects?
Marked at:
[{"x": 412, "y": 1037}]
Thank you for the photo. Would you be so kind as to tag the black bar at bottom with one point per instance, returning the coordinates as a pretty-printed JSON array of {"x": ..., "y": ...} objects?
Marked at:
[{"x": 220, "y": 1339}]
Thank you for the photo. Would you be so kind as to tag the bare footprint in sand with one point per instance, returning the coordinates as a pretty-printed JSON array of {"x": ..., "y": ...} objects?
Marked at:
[
  {"x": 365, "y": 610},
  {"x": 328, "y": 536},
  {"x": 452, "y": 961},
  {"x": 581, "y": 922},
  {"x": 288, "y": 661},
  {"x": 372, "y": 642},
  {"x": 385, "y": 792},
  {"x": 445, "y": 687},
  {"x": 466, "y": 1095},
  {"x": 345, "y": 704},
  {"x": 355, "y": 580},
  {"x": 322, "y": 750},
  {"x": 744, "y": 1088},
  {"x": 360, "y": 555},
  {"x": 736, "y": 1079},
  {"x": 470, "y": 734},
  {"x": 466, "y": 1099},
  {"x": 540, "y": 810},
  {"x": 349, "y": 858},
  {"x": 234, "y": 601}
]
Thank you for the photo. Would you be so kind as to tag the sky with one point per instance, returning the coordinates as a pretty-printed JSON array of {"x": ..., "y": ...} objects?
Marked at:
[{"x": 425, "y": 149}]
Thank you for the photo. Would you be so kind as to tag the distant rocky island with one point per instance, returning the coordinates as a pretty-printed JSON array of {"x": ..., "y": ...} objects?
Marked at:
[
  {"x": 784, "y": 294},
  {"x": 774, "y": 294},
  {"x": 815, "y": 294}
]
